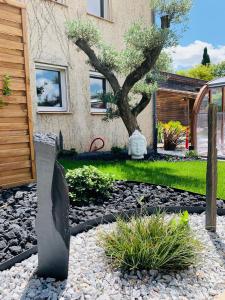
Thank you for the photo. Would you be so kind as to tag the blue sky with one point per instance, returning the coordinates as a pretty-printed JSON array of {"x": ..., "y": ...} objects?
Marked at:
[{"x": 206, "y": 27}]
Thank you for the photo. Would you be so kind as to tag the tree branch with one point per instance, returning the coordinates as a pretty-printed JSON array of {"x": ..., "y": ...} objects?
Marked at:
[
  {"x": 101, "y": 68},
  {"x": 141, "y": 71},
  {"x": 149, "y": 62},
  {"x": 141, "y": 105},
  {"x": 165, "y": 22}
]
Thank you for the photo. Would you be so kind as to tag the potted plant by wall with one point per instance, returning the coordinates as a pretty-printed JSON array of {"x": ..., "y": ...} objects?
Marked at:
[{"x": 173, "y": 133}]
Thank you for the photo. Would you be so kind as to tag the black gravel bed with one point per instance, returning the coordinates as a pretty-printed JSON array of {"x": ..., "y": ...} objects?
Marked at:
[
  {"x": 123, "y": 155},
  {"x": 18, "y": 208}
]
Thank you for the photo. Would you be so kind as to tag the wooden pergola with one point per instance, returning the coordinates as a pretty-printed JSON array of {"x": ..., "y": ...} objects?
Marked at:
[
  {"x": 175, "y": 105},
  {"x": 176, "y": 98}
]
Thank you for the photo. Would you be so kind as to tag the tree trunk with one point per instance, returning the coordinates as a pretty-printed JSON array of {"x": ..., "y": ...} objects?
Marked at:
[{"x": 129, "y": 119}]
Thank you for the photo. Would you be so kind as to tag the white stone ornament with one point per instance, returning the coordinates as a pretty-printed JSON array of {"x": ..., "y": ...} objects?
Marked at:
[{"x": 137, "y": 145}]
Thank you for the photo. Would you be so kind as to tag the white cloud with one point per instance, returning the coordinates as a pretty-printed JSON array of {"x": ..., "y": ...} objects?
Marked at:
[{"x": 185, "y": 57}]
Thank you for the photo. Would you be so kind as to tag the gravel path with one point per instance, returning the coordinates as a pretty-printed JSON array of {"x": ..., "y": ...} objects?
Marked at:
[
  {"x": 18, "y": 210},
  {"x": 90, "y": 276}
]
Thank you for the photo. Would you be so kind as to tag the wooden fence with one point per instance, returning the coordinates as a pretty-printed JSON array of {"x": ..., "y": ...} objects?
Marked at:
[{"x": 16, "y": 138}]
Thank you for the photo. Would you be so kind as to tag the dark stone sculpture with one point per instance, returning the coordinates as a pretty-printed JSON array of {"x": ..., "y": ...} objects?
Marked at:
[{"x": 52, "y": 224}]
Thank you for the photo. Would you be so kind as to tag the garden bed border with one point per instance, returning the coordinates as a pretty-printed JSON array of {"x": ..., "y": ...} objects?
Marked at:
[
  {"x": 84, "y": 227},
  {"x": 110, "y": 218}
]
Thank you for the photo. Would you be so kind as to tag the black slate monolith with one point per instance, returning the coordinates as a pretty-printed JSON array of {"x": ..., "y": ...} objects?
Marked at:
[{"x": 52, "y": 223}]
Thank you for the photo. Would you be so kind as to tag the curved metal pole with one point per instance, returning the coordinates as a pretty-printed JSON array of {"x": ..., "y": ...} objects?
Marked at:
[{"x": 204, "y": 90}]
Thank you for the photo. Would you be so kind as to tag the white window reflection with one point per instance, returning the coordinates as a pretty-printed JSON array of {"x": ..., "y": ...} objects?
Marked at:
[{"x": 51, "y": 88}]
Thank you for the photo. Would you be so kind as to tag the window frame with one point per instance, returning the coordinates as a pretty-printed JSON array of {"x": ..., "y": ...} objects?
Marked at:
[
  {"x": 104, "y": 10},
  {"x": 63, "y": 71},
  {"x": 97, "y": 75}
]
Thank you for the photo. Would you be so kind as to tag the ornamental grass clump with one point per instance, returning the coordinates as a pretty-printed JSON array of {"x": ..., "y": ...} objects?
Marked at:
[
  {"x": 88, "y": 184},
  {"x": 158, "y": 243},
  {"x": 173, "y": 132}
]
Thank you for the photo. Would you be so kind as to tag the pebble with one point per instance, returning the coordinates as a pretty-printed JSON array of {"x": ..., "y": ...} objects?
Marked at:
[
  {"x": 18, "y": 210},
  {"x": 92, "y": 277}
]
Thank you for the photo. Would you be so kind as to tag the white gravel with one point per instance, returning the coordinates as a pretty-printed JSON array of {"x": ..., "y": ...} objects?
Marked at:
[{"x": 90, "y": 276}]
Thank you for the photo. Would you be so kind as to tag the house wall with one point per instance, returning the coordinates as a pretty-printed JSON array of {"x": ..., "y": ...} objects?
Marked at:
[{"x": 49, "y": 44}]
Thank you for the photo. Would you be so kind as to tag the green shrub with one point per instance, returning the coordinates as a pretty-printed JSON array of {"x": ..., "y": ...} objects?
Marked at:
[
  {"x": 116, "y": 150},
  {"x": 152, "y": 243},
  {"x": 191, "y": 154},
  {"x": 68, "y": 154},
  {"x": 88, "y": 184},
  {"x": 160, "y": 132},
  {"x": 173, "y": 133}
]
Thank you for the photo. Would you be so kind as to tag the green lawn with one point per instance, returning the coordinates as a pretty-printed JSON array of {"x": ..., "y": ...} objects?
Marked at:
[{"x": 188, "y": 176}]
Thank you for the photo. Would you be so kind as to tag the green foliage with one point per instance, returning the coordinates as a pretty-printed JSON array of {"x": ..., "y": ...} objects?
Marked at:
[
  {"x": 160, "y": 132},
  {"x": 145, "y": 38},
  {"x": 85, "y": 30},
  {"x": 6, "y": 90},
  {"x": 141, "y": 87},
  {"x": 110, "y": 100},
  {"x": 177, "y": 10},
  {"x": 139, "y": 38},
  {"x": 72, "y": 153},
  {"x": 130, "y": 59},
  {"x": 149, "y": 84},
  {"x": 145, "y": 86},
  {"x": 199, "y": 72},
  {"x": 219, "y": 69},
  {"x": 116, "y": 150},
  {"x": 110, "y": 57},
  {"x": 143, "y": 52},
  {"x": 164, "y": 63},
  {"x": 88, "y": 184},
  {"x": 205, "y": 72},
  {"x": 152, "y": 243},
  {"x": 185, "y": 175},
  {"x": 173, "y": 133},
  {"x": 206, "y": 58},
  {"x": 191, "y": 154}
]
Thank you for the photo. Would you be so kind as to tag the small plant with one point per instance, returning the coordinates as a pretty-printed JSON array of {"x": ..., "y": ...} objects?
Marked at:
[
  {"x": 72, "y": 153},
  {"x": 160, "y": 132},
  {"x": 191, "y": 154},
  {"x": 6, "y": 90},
  {"x": 116, "y": 150},
  {"x": 173, "y": 133},
  {"x": 152, "y": 242},
  {"x": 88, "y": 184}
]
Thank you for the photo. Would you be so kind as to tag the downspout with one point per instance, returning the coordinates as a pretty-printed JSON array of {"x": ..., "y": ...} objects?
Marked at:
[{"x": 154, "y": 109}]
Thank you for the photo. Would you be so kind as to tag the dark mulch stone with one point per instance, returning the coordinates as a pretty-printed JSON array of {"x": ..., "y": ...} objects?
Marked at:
[{"x": 18, "y": 210}]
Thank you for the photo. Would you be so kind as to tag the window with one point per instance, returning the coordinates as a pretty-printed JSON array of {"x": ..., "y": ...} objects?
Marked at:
[
  {"x": 98, "y": 85},
  {"x": 51, "y": 88},
  {"x": 99, "y": 8}
]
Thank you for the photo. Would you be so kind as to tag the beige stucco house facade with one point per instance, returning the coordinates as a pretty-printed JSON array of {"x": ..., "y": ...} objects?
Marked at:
[{"x": 54, "y": 58}]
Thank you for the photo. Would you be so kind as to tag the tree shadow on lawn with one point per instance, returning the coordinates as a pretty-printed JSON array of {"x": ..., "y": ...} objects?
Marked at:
[
  {"x": 164, "y": 176},
  {"x": 39, "y": 288}
]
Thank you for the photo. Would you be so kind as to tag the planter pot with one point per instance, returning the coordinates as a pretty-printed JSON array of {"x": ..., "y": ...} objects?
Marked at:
[{"x": 169, "y": 146}]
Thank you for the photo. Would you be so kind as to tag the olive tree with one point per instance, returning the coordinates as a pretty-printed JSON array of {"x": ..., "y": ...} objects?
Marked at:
[{"x": 140, "y": 61}]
